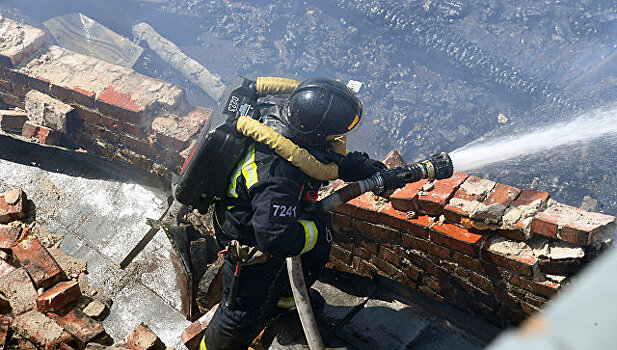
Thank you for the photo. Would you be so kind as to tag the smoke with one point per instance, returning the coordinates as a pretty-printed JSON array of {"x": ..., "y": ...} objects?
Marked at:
[{"x": 588, "y": 126}]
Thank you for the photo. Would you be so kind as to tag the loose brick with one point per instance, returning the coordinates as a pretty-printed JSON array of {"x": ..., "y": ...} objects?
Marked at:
[
  {"x": 13, "y": 205},
  {"x": 571, "y": 224},
  {"x": 412, "y": 271},
  {"x": 517, "y": 217},
  {"x": 434, "y": 195},
  {"x": 9, "y": 235},
  {"x": 19, "y": 42},
  {"x": 466, "y": 260},
  {"x": 388, "y": 269},
  {"x": 512, "y": 255},
  {"x": 58, "y": 296},
  {"x": 5, "y": 323},
  {"x": 493, "y": 207},
  {"x": 40, "y": 330},
  {"x": 191, "y": 336},
  {"x": 482, "y": 282},
  {"x": 456, "y": 237},
  {"x": 83, "y": 328},
  {"x": 417, "y": 226},
  {"x": 467, "y": 198},
  {"x": 47, "y": 111},
  {"x": 12, "y": 121},
  {"x": 405, "y": 199},
  {"x": 394, "y": 159},
  {"x": 42, "y": 134},
  {"x": 19, "y": 290},
  {"x": 37, "y": 261},
  {"x": 176, "y": 133}
]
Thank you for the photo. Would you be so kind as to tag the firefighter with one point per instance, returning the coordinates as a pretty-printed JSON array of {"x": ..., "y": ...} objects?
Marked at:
[{"x": 271, "y": 210}]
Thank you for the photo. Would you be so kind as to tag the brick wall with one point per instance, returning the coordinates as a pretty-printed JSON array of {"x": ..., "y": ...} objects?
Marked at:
[
  {"x": 488, "y": 248},
  {"x": 113, "y": 111}
]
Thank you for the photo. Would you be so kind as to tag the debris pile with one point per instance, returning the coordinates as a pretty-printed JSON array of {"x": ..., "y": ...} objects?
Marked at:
[{"x": 45, "y": 300}]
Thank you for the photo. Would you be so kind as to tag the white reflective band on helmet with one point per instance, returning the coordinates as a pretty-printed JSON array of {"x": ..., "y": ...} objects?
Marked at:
[
  {"x": 310, "y": 232},
  {"x": 286, "y": 303}
]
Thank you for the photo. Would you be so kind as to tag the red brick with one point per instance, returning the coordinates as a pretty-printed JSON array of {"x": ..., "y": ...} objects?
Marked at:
[
  {"x": 40, "y": 84},
  {"x": 12, "y": 100},
  {"x": 428, "y": 247},
  {"x": 40, "y": 330},
  {"x": 5, "y": 323},
  {"x": 83, "y": 328},
  {"x": 363, "y": 267},
  {"x": 13, "y": 205},
  {"x": 61, "y": 93},
  {"x": 89, "y": 115},
  {"x": 412, "y": 272},
  {"x": 12, "y": 121},
  {"x": 37, "y": 261},
  {"x": 43, "y": 134},
  {"x": 390, "y": 256},
  {"x": 9, "y": 236},
  {"x": 58, "y": 296},
  {"x": 340, "y": 220},
  {"x": 19, "y": 290},
  {"x": 456, "y": 237},
  {"x": 176, "y": 133},
  {"x": 100, "y": 133},
  {"x": 24, "y": 344},
  {"x": 466, "y": 260},
  {"x": 405, "y": 199},
  {"x": 141, "y": 147},
  {"x": 191, "y": 336},
  {"x": 6, "y": 86},
  {"x": 394, "y": 159},
  {"x": 388, "y": 269},
  {"x": 83, "y": 97},
  {"x": 545, "y": 288},
  {"x": 571, "y": 224},
  {"x": 433, "y": 200},
  {"x": 363, "y": 206},
  {"x": 533, "y": 198},
  {"x": 120, "y": 105},
  {"x": 417, "y": 226},
  {"x": 341, "y": 254},
  {"x": 442, "y": 287},
  {"x": 466, "y": 198},
  {"x": 134, "y": 130},
  {"x": 481, "y": 282},
  {"x": 495, "y": 205},
  {"x": 521, "y": 261},
  {"x": 65, "y": 346}
]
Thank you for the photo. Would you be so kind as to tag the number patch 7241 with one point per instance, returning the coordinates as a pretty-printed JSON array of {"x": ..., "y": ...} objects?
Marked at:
[{"x": 283, "y": 212}]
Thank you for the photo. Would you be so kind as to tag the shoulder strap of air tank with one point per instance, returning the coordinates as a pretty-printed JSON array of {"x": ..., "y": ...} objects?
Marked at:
[{"x": 275, "y": 86}]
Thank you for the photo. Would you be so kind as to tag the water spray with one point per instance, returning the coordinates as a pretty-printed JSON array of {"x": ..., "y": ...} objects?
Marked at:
[{"x": 588, "y": 126}]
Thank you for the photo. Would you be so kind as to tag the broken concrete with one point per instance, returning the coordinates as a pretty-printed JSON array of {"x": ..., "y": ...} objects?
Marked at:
[{"x": 18, "y": 41}]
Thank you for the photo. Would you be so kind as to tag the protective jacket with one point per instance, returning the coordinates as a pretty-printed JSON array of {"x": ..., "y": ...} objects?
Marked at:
[{"x": 271, "y": 204}]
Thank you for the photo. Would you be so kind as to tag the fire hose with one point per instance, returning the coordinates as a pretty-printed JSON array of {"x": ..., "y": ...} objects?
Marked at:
[{"x": 438, "y": 166}]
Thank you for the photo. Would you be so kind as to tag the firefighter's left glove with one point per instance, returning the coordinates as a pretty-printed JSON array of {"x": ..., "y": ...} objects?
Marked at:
[
  {"x": 244, "y": 254},
  {"x": 357, "y": 166}
]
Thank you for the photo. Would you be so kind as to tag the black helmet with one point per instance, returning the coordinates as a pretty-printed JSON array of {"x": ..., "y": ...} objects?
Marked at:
[{"x": 321, "y": 107}]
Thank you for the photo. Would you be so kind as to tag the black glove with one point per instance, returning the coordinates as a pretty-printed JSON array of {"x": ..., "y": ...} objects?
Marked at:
[{"x": 357, "y": 166}]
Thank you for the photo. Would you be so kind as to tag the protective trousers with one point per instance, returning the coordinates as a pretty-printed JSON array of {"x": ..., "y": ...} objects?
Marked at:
[{"x": 260, "y": 288}]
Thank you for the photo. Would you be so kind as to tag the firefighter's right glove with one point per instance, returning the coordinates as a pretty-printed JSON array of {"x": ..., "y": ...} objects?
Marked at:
[
  {"x": 357, "y": 166},
  {"x": 244, "y": 254}
]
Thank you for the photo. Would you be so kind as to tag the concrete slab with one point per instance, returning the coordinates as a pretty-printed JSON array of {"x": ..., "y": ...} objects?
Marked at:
[
  {"x": 383, "y": 325},
  {"x": 100, "y": 208}
]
